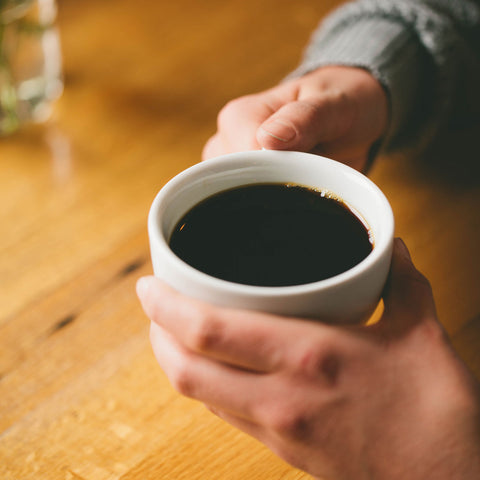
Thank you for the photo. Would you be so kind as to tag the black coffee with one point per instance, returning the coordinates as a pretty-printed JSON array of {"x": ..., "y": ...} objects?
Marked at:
[{"x": 271, "y": 235}]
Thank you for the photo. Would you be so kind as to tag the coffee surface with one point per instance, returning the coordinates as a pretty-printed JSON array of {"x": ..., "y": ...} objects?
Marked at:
[{"x": 271, "y": 235}]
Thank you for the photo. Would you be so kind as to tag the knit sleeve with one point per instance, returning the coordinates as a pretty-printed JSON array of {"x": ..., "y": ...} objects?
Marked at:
[{"x": 426, "y": 54}]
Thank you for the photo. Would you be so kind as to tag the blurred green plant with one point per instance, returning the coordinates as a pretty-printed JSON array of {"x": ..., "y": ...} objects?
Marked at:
[
  {"x": 12, "y": 24},
  {"x": 8, "y": 114}
]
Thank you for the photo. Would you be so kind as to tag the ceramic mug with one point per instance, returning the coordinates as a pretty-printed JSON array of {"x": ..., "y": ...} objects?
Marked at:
[{"x": 349, "y": 297}]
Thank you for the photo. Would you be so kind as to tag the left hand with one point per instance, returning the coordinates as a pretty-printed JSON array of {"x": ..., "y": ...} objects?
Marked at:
[{"x": 335, "y": 111}]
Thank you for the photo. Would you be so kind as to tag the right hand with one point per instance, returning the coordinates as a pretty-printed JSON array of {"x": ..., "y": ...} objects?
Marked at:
[{"x": 389, "y": 401}]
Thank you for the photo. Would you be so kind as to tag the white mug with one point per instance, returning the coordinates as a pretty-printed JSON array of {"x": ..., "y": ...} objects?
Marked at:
[{"x": 349, "y": 297}]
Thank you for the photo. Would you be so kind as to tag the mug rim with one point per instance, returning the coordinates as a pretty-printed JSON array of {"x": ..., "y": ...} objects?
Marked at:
[{"x": 220, "y": 163}]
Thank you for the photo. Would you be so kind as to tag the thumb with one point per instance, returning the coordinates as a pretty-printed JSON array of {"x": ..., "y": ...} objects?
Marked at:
[
  {"x": 304, "y": 123},
  {"x": 408, "y": 297}
]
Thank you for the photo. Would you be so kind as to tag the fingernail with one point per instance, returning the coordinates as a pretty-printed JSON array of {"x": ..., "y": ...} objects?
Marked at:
[{"x": 279, "y": 130}]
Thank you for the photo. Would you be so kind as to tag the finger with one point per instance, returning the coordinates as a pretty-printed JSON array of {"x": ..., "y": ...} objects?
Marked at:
[
  {"x": 408, "y": 295},
  {"x": 249, "y": 427},
  {"x": 306, "y": 122},
  {"x": 213, "y": 147},
  {"x": 250, "y": 340},
  {"x": 214, "y": 383},
  {"x": 239, "y": 120}
]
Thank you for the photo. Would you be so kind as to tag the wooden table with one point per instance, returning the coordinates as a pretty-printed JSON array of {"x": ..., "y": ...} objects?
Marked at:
[{"x": 81, "y": 396}]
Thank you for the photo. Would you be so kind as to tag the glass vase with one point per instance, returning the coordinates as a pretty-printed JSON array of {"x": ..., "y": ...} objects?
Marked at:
[{"x": 30, "y": 62}]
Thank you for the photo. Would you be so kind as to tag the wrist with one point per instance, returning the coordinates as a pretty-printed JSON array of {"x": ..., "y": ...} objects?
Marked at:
[
  {"x": 348, "y": 41},
  {"x": 443, "y": 412}
]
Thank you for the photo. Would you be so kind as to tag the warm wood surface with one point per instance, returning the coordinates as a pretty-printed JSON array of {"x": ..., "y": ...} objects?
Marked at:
[{"x": 81, "y": 396}]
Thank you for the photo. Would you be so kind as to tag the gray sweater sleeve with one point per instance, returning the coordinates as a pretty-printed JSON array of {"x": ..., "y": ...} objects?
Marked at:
[{"x": 426, "y": 54}]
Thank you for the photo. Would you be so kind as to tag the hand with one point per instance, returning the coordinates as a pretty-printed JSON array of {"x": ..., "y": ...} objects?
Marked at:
[
  {"x": 338, "y": 112},
  {"x": 388, "y": 401}
]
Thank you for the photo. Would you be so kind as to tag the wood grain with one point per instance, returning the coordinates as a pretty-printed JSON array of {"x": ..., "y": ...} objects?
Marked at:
[{"x": 81, "y": 396}]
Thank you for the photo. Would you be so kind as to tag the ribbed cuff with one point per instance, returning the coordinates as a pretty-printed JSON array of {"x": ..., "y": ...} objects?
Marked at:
[{"x": 386, "y": 48}]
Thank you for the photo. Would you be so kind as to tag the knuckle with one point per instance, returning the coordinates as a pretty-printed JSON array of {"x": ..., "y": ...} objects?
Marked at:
[
  {"x": 230, "y": 111},
  {"x": 182, "y": 380},
  {"x": 433, "y": 331},
  {"x": 310, "y": 111},
  {"x": 289, "y": 421},
  {"x": 320, "y": 361},
  {"x": 310, "y": 359},
  {"x": 206, "y": 332}
]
